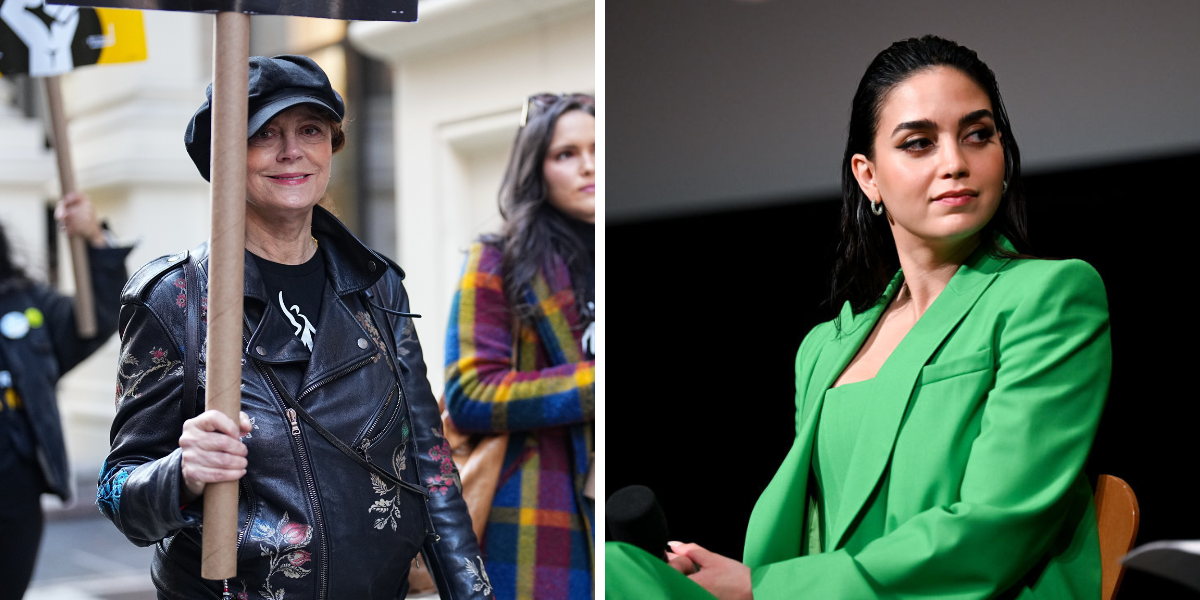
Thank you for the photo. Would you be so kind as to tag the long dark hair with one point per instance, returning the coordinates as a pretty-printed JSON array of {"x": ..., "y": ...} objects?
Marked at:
[
  {"x": 12, "y": 276},
  {"x": 867, "y": 257},
  {"x": 534, "y": 231}
]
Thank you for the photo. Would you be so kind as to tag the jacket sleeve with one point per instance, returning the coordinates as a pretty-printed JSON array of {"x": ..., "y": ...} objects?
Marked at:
[
  {"x": 1023, "y": 478},
  {"x": 107, "y": 268},
  {"x": 451, "y": 552},
  {"x": 484, "y": 391},
  {"x": 139, "y": 484}
]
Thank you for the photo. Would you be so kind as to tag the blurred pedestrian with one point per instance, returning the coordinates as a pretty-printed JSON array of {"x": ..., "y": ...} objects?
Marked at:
[
  {"x": 38, "y": 344},
  {"x": 520, "y": 354}
]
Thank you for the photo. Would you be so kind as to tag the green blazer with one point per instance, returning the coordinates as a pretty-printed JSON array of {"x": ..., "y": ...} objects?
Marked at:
[{"x": 992, "y": 403}]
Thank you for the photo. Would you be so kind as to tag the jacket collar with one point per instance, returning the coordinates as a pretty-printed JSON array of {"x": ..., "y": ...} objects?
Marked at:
[
  {"x": 980, "y": 263},
  {"x": 351, "y": 267},
  {"x": 341, "y": 340},
  {"x": 895, "y": 380}
]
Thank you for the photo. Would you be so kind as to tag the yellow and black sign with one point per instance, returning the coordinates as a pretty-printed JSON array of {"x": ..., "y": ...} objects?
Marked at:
[{"x": 48, "y": 39}]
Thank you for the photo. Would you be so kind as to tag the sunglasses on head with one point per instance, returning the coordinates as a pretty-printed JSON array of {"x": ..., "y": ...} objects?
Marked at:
[{"x": 544, "y": 101}]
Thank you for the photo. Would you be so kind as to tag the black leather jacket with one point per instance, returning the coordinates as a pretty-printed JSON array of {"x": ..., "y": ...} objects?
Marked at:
[
  {"x": 312, "y": 522},
  {"x": 39, "y": 358}
]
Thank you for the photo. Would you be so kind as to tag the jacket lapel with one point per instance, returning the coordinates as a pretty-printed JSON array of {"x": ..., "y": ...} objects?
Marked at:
[
  {"x": 855, "y": 330},
  {"x": 782, "y": 506},
  {"x": 896, "y": 378},
  {"x": 781, "y": 509},
  {"x": 350, "y": 344}
]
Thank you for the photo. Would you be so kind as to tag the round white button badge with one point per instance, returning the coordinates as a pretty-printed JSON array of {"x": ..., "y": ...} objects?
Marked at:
[{"x": 14, "y": 325}]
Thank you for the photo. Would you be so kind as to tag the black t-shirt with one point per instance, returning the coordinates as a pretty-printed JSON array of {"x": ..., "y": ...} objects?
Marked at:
[{"x": 297, "y": 291}]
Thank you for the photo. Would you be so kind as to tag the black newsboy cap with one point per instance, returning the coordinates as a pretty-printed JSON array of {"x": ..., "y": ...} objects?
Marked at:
[{"x": 276, "y": 84}]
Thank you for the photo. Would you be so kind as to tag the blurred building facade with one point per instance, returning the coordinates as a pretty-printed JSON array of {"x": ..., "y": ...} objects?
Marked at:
[{"x": 432, "y": 109}]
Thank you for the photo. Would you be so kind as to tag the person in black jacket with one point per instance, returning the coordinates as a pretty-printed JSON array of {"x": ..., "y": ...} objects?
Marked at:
[
  {"x": 38, "y": 344},
  {"x": 344, "y": 474}
]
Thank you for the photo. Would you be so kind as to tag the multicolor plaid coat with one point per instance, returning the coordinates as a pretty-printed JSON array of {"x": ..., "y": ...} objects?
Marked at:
[{"x": 537, "y": 386}]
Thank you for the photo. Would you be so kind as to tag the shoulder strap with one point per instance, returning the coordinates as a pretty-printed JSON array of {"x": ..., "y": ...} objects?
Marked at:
[{"x": 191, "y": 358}]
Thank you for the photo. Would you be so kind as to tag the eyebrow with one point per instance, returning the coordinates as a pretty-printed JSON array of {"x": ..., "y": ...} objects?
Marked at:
[
  {"x": 928, "y": 124},
  {"x": 562, "y": 146}
]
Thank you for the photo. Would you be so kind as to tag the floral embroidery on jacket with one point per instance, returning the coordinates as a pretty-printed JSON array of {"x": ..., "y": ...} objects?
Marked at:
[
  {"x": 481, "y": 583},
  {"x": 127, "y": 384},
  {"x": 441, "y": 482},
  {"x": 283, "y": 544},
  {"x": 407, "y": 334},
  {"x": 244, "y": 594},
  {"x": 108, "y": 493},
  {"x": 390, "y": 507},
  {"x": 181, "y": 299}
]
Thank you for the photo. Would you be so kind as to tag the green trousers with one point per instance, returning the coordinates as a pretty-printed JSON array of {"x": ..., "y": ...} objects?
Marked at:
[{"x": 631, "y": 573}]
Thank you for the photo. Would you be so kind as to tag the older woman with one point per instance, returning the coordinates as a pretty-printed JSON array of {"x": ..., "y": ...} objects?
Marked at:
[
  {"x": 331, "y": 362},
  {"x": 944, "y": 417}
]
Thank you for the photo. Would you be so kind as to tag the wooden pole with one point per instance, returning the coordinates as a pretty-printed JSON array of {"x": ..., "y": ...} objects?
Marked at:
[
  {"x": 85, "y": 307},
  {"x": 231, "y": 74}
]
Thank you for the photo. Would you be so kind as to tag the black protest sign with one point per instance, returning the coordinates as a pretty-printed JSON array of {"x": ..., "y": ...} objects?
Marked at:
[{"x": 346, "y": 10}]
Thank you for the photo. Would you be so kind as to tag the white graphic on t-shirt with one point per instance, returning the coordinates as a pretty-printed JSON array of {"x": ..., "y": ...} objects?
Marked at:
[{"x": 307, "y": 328}]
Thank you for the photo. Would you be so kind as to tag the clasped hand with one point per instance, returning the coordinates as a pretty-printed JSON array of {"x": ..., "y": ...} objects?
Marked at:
[
  {"x": 723, "y": 577},
  {"x": 212, "y": 451},
  {"x": 76, "y": 216}
]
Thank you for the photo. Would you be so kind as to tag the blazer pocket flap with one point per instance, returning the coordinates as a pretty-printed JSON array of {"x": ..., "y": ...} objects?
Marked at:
[{"x": 953, "y": 367}]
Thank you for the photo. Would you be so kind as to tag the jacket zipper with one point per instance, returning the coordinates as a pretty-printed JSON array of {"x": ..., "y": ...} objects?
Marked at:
[
  {"x": 322, "y": 573},
  {"x": 366, "y": 444},
  {"x": 368, "y": 441},
  {"x": 249, "y": 515},
  {"x": 322, "y": 381}
]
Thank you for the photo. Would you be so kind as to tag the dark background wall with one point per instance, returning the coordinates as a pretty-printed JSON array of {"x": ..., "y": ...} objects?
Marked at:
[{"x": 701, "y": 372}]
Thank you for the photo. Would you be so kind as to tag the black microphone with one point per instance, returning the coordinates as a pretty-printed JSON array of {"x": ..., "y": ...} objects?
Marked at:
[{"x": 634, "y": 517}]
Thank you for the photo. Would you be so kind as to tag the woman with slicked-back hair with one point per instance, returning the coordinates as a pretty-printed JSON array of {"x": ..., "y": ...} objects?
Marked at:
[{"x": 944, "y": 416}]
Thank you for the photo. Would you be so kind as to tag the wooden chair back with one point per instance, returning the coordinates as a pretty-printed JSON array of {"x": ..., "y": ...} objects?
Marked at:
[{"x": 1117, "y": 518}]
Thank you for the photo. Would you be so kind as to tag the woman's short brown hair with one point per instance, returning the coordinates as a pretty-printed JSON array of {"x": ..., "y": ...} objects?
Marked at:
[{"x": 336, "y": 135}]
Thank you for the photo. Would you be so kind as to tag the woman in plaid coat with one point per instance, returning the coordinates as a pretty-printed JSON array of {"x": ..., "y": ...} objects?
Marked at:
[{"x": 520, "y": 355}]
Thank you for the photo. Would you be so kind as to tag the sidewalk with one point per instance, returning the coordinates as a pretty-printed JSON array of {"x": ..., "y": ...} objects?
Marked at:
[{"x": 84, "y": 557}]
